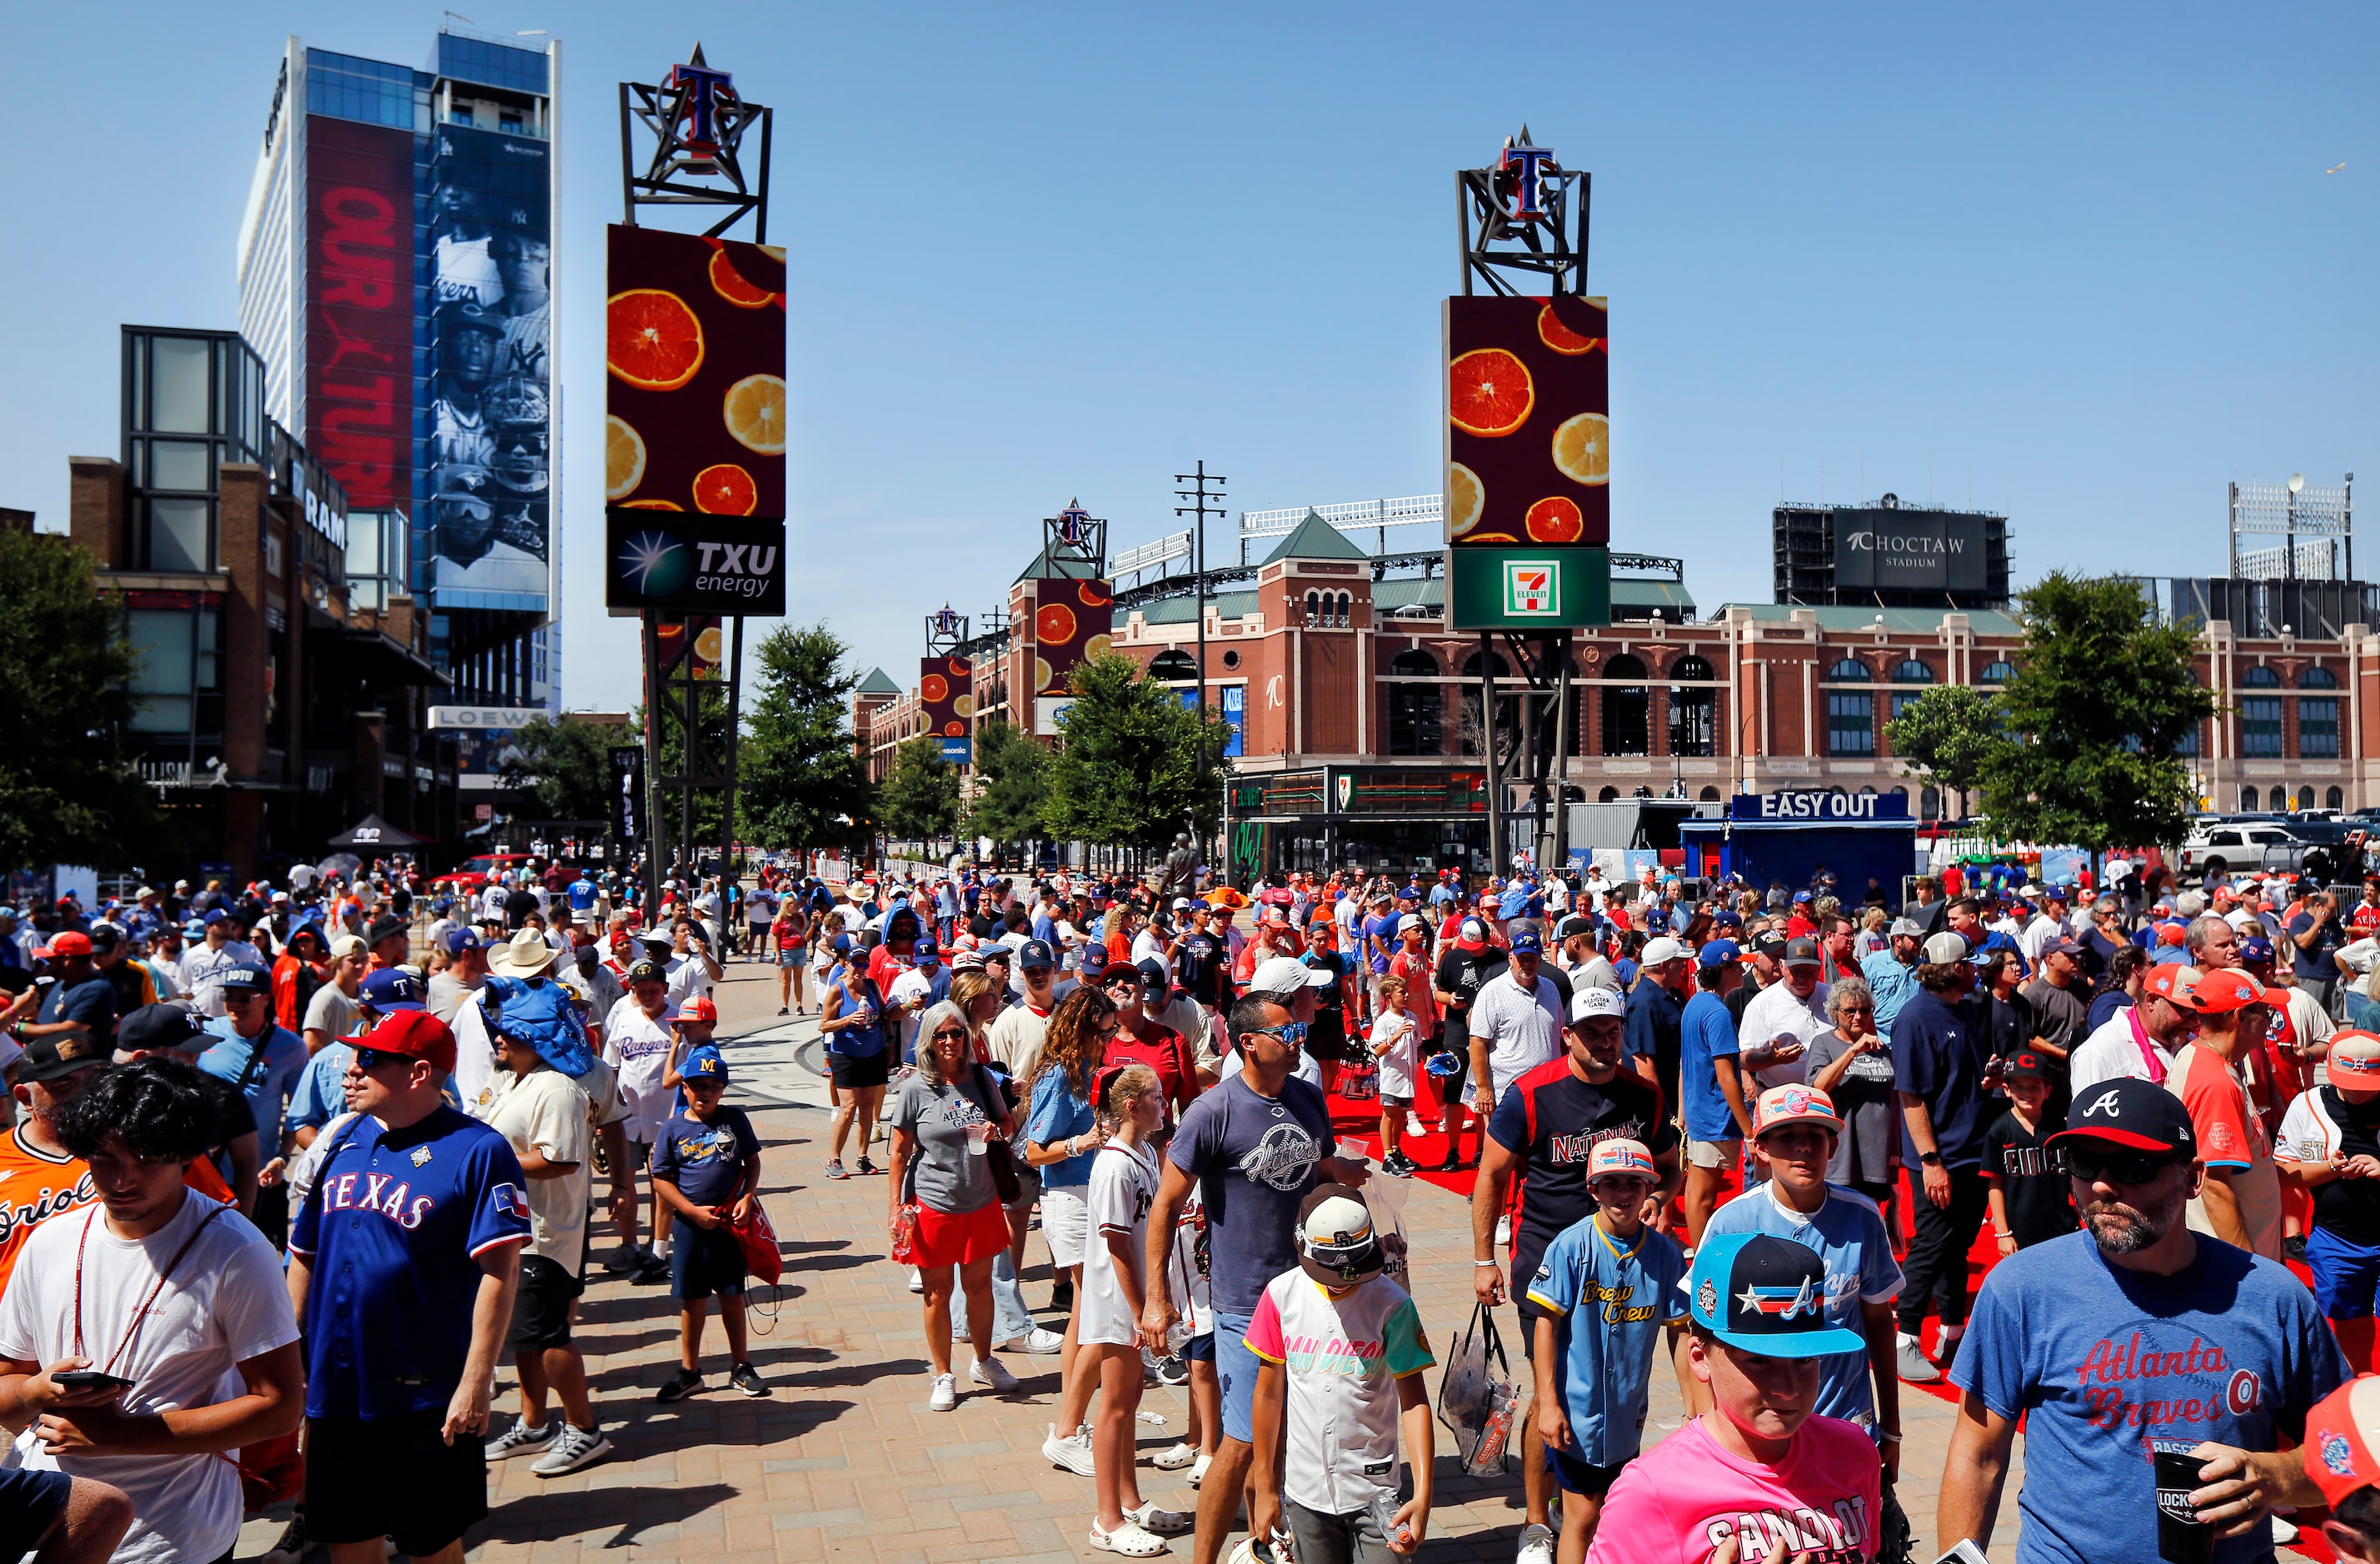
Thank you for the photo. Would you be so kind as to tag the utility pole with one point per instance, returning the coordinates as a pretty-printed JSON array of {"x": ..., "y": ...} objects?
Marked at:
[{"x": 1198, "y": 494}]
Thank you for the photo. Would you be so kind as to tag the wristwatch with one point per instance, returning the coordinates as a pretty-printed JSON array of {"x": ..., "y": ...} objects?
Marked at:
[{"x": 1931, "y": 1158}]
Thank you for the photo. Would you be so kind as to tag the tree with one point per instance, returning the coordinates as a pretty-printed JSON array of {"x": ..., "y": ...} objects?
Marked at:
[
  {"x": 1125, "y": 773},
  {"x": 69, "y": 791},
  {"x": 566, "y": 763},
  {"x": 2096, "y": 716},
  {"x": 920, "y": 800},
  {"x": 799, "y": 779},
  {"x": 1012, "y": 774},
  {"x": 1951, "y": 735}
]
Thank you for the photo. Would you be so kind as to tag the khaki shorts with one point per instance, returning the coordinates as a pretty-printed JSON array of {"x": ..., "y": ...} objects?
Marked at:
[{"x": 1715, "y": 1153}]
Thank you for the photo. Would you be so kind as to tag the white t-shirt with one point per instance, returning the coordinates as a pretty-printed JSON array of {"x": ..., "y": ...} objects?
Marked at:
[
  {"x": 913, "y": 983},
  {"x": 638, "y": 1048},
  {"x": 547, "y": 1113},
  {"x": 475, "y": 1059},
  {"x": 1396, "y": 1029},
  {"x": 1147, "y": 946},
  {"x": 226, "y": 1303},
  {"x": 1775, "y": 1013},
  {"x": 688, "y": 979},
  {"x": 1014, "y": 1038},
  {"x": 1123, "y": 1188}
]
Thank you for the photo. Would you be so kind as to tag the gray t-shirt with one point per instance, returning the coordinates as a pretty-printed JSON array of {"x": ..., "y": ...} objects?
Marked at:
[
  {"x": 1255, "y": 1159},
  {"x": 1871, "y": 1114},
  {"x": 2060, "y": 1015},
  {"x": 950, "y": 1179},
  {"x": 331, "y": 1012},
  {"x": 447, "y": 993}
]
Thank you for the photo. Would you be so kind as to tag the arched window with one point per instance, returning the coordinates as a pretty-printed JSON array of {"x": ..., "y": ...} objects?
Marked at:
[
  {"x": 1346, "y": 613},
  {"x": 1997, "y": 673},
  {"x": 1174, "y": 667},
  {"x": 2305, "y": 797},
  {"x": 1413, "y": 664},
  {"x": 2280, "y": 800},
  {"x": 1694, "y": 712},
  {"x": 2334, "y": 799},
  {"x": 1471, "y": 666},
  {"x": 1416, "y": 712},
  {"x": 1626, "y": 708},
  {"x": 1913, "y": 671},
  {"x": 2250, "y": 800},
  {"x": 1849, "y": 670},
  {"x": 2260, "y": 717},
  {"x": 1608, "y": 796},
  {"x": 2318, "y": 678},
  {"x": 1313, "y": 609},
  {"x": 1708, "y": 795},
  {"x": 1929, "y": 804}
]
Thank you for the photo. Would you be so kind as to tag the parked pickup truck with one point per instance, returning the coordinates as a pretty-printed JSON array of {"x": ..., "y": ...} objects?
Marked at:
[{"x": 2216, "y": 848}]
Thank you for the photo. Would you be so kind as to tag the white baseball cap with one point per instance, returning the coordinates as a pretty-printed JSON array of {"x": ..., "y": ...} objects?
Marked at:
[
  {"x": 1661, "y": 949},
  {"x": 1591, "y": 1001},
  {"x": 1946, "y": 948},
  {"x": 1287, "y": 975}
]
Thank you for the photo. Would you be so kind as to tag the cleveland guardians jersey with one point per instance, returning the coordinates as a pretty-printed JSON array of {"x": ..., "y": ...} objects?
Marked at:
[{"x": 393, "y": 1231}]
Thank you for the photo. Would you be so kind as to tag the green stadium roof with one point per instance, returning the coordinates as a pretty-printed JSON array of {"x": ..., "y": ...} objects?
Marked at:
[
  {"x": 879, "y": 682},
  {"x": 1314, "y": 539}
]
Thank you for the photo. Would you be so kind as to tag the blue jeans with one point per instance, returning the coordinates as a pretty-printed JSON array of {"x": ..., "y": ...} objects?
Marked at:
[
  {"x": 1009, "y": 1318},
  {"x": 2345, "y": 1276},
  {"x": 1236, "y": 1366}
]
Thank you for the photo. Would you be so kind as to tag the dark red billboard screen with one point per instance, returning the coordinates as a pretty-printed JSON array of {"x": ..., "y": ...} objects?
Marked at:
[
  {"x": 695, "y": 346},
  {"x": 1528, "y": 427},
  {"x": 946, "y": 696},
  {"x": 359, "y": 309}
]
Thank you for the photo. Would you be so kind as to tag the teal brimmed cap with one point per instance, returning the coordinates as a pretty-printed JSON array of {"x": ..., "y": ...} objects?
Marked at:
[{"x": 1767, "y": 1295}]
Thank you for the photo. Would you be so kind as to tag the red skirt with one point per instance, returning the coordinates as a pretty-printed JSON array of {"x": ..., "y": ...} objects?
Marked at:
[{"x": 947, "y": 1240}]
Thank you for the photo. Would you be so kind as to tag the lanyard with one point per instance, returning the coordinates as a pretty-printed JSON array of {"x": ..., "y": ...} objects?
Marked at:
[
  {"x": 139, "y": 1315},
  {"x": 2148, "y": 1053}
]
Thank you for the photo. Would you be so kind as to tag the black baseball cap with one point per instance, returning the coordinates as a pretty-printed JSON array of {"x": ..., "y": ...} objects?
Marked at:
[
  {"x": 1770, "y": 943},
  {"x": 648, "y": 971},
  {"x": 2026, "y": 1065},
  {"x": 157, "y": 1027},
  {"x": 2131, "y": 1114},
  {"x": 1035, "y": 953},
  {"x": 1767, "y": 1295},
  {"x": 386, "y": 928},
  {"x": 1154, "y": 983},
  {"x": 62, "y": 1054},
  {"x": 1803, "y": 952}
]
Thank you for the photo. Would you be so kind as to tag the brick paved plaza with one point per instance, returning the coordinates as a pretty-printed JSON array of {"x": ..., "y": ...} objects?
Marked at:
[{"x": 845, "y": 1461}]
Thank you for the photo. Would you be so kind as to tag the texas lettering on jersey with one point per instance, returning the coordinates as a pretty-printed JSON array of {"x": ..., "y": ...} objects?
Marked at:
[
  {"x": 399, "y": 1204},
  {"x": 1838, "y": 1534}
]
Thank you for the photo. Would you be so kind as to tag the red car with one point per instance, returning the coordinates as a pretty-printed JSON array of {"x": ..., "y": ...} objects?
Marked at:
[{"x": 473, "y": 874}]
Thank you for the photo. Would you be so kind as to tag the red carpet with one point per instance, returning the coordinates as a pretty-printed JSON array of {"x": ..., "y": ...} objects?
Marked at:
[{"x": 1359, "y": 1120}]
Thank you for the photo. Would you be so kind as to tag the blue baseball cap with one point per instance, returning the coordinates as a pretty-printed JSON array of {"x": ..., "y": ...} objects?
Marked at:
[
  {"x": 1801, "y": 895},
  {"x": 924, "y": 953},
  {"x": 703, "y": 1065},
  {"x": 214, "y": 915},
  {"x": 1035, "y": 953},
  {"x": 247, "y": 975},
  {"x": 1093, "y": 958},
  {"x": 2256, "y": 947},
  {"x": 1767, "y": 1295},
  {"x": 1727, "y": 917},
  {"x": 1717, "y": 951},
  {"x": 1525, "y": 942},
  {"x": 195, "y": 929},
  {"x": 461, "y": 939},
  {"x": 392, "y": 987}
]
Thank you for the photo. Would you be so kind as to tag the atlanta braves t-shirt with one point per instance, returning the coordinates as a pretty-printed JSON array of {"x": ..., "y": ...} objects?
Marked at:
[
  {"x": 1679, "y": 1502},
  {"x": 1253, "y": 1157},
  {"x": 2101, "y": 1361}
]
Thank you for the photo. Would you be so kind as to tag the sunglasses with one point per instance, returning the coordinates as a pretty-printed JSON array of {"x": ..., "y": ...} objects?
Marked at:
[
  {"x": 1289, "y": 1032},
  {"x": 2133, "y": 1168},
  {"x": 372, "y": 1059},
  {"x": 956, "y": 1034}
]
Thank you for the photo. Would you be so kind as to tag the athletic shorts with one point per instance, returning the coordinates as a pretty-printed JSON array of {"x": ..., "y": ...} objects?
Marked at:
[
  {"x": 1067, "y": 1223},
  {"x": 541, "y": 1307},
  {"x": 704, "y": 1261},
  {"x": 31, "y": 1503},
  {"x": 1577, "y": 1476},
  {"x": 393, "y": 1477},
  {"x": 2345, "y": 1276},
  {"x": 1715, "y": 1153},
  {"x": 944, "y": 1239},
  {"x": 852, "y": 1071},
  {"x": 1199, "y": 1347},
  {"x": 1235, "y": 1365}
]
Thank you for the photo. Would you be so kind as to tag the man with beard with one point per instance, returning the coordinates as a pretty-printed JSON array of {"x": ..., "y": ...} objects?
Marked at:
[{"x": 2101, "y": 1339}]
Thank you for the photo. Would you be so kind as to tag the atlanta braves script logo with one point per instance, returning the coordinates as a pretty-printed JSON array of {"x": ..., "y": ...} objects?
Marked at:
[{"x": 1281, "y": 1159}]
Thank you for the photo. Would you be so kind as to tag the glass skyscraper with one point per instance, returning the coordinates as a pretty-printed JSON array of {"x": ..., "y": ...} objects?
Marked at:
[{"x": 396, "y": 265}]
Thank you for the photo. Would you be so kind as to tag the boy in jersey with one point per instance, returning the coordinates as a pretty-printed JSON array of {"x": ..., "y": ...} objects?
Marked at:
[
  {"x": 2329, "y": 1146},
  {"x": 1604, "y": 1291},
  {"x": 706, "y": 1169},
  {"x": 1760, "y": 1459}
]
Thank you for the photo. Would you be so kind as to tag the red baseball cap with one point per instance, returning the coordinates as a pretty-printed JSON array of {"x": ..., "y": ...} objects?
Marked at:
[
  {"x": 2341, "y": 1434},
  {"x": 2175, "y": 983},
  {"x": 2226, "y": 989},
  {"x": 73, "y": 942},
  {"x": 415, "y": 1034},
  {"x": 698, "y": 1008}
]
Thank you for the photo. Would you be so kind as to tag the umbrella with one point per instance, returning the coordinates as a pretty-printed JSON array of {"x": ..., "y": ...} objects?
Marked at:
[
  {"x": 338, "y": 865},
  {"x": 373, "y": 832}
]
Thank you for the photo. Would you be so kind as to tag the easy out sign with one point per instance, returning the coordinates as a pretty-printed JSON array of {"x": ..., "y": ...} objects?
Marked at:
[{"x": 1818, "y": 804}]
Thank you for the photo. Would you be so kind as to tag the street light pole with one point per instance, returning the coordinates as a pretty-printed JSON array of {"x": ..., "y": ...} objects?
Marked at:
[{"x": 1198, "y": 494}]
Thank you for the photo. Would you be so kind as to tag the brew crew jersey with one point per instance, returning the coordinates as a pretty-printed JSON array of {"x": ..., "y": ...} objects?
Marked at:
[
  {"x": 1612, "y": 1301},
  {"x": 393, "y": 1231}
]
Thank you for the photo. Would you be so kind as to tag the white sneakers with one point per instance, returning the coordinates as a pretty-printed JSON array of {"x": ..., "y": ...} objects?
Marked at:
[
  {"x": 1072, "y": 1453},
  {"x": 1036, "y": 1342},
  {"x": 946, "y": 1393},
  {"x": 992, "y": 1373},
  {"x": 1536, "y": 1545}
]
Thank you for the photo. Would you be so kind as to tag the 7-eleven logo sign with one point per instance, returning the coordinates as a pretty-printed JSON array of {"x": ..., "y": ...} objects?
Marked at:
[{"x": 1533, "y": 588}]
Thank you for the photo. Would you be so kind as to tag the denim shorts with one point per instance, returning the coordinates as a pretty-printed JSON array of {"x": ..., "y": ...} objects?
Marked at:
[{"x": 1236, "y": 1366}]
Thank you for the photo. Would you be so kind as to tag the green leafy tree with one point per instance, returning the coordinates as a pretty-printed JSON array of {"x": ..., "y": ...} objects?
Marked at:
[
  {"x": 1125, "y": 773},
  {"x": 566, "y": 763},
  {"x": 69, "y": 790},
  {"x": 2096, "y": 718},
  {"x": 920, "y": 800},
  {"x": 799, "y": 780},
  {"x": 1951, "y": 736},
  {"x": 1012, "y": 774}
]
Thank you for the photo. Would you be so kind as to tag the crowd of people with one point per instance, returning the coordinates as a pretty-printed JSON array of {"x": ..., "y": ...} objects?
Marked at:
[{"x": 296, "y": 1170}]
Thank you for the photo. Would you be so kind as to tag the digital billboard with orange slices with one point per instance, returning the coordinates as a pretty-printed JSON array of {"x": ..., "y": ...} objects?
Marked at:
[
  {"x": 946, "y": 696},
  {"x": 1071, "y": 623},
  {"x": 694, "y": 346},
  {"x": 1528, "y": 427}
]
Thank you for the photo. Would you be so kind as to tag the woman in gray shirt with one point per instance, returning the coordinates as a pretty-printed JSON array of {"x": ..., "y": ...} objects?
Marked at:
[
  {"x": 1853, "y": 1066},
  {"x": 947, "y": 1123}
]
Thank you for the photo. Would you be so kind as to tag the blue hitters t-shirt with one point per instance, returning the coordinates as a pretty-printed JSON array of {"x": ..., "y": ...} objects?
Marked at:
[
  {"x": 706, "y": 1161},
  {"x": 1059, "y": 1115},
  {"x": 1849, "y": 1235},
  {"x": 2101, "y": 1361},
  {"x": 1610, "y": 1302},
  {"x": 1706, "y": 1032}
]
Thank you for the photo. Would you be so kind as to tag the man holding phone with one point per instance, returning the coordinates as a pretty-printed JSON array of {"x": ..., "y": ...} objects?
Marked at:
[{"x": 1782, "y": 1020}]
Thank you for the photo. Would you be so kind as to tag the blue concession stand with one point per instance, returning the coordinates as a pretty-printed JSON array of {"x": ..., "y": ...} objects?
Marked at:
[{"x": 1788, "y": 837}]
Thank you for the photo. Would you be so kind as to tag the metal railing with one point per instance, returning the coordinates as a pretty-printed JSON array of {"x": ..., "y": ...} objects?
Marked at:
[{"x": 1356, "y": 515}]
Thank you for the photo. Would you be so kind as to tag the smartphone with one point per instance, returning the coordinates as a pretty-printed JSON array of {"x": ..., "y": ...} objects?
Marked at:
[{"x": 84, "y": 1378}]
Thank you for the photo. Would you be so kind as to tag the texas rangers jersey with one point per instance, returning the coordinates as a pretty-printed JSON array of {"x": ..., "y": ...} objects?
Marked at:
[{"x": 393, "y": 1231}]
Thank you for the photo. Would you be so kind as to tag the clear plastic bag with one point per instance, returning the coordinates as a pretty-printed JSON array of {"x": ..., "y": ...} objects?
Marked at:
[{"x": 1477, "y": 1400}]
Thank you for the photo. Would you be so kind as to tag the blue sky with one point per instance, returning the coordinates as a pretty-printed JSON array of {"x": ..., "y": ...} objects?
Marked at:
[{"x": 2085, "y": 263}]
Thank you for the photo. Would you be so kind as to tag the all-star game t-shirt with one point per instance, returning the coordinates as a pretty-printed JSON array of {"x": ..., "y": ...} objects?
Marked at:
[
  {"x": 1551, "y": 1121},
  {"x": 2100, "y": 1361}
]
